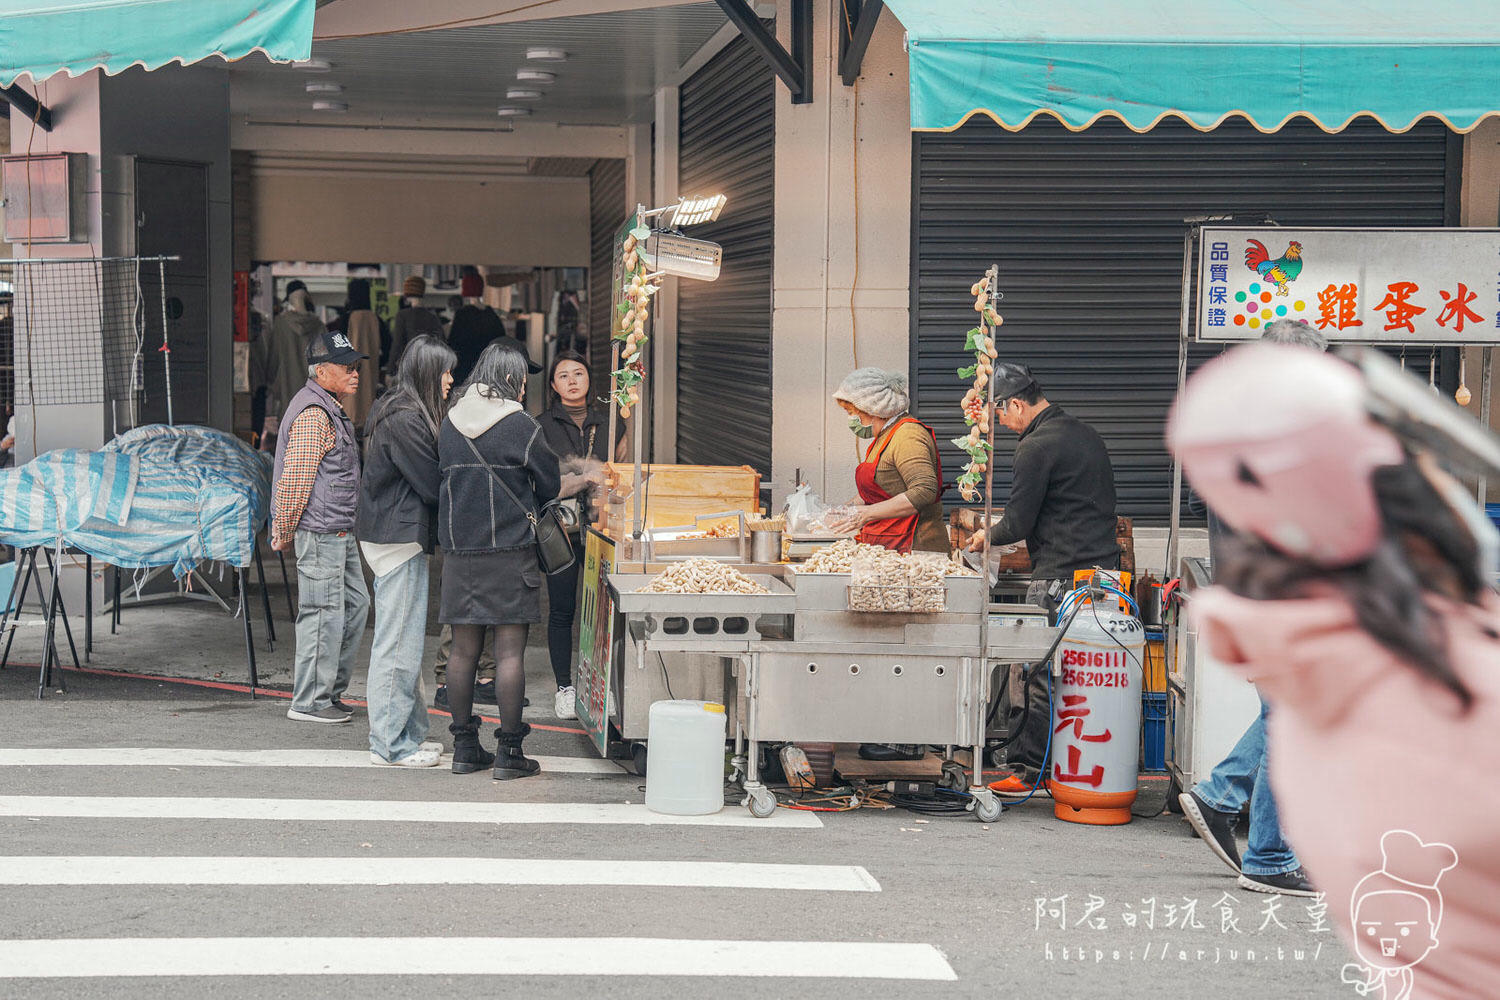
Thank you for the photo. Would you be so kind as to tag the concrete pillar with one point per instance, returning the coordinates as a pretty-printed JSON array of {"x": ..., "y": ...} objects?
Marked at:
[
  {"x": 843, "y": 234},
  {"x": 664, "y": 304},
  {"x": 1479, "y": 206}
]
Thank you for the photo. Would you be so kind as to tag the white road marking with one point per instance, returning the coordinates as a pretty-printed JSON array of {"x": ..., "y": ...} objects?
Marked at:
[
  {"x": 391, "y": 956},
  {"x": 389, "y": 811},
  {"x": 172, "y": 757},
  {"x": 89, "y": 871}
]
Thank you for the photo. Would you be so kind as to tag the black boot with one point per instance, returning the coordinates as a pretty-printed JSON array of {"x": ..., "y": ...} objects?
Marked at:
[
  {"x": 468, "y": 755},
  {"x": 511, "y": 763},
  {"x": 892, "y": 751}
]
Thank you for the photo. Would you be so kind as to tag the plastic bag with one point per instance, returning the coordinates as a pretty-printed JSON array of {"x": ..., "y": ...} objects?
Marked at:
[
  {"x": 879, "y": 582},
  {"x": 804, "y": 511}
]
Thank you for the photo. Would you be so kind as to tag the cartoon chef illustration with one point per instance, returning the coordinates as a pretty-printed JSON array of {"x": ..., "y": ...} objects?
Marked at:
[{"x": 1396, "y": 914}]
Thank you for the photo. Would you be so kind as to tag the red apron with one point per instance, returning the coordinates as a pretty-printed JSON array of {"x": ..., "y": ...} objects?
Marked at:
[{"x": 897, "y": 533}]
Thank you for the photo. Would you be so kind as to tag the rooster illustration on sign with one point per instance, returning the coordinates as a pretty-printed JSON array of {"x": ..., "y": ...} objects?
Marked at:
[{"x": 1282, "y": 271}]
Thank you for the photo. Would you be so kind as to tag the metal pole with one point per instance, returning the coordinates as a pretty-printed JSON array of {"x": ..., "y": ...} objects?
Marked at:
[
  {"x": 244, "y": 609},
  {"x": 637, "y": 521},
  {"x": 166, "y": 347},
  {"x": 1173, "y": 541},
  {"x": 982, "y": 703},
  {"x": 1486, "y": 395},
  {"x": 55, "y": 568},
  {"x": 265, "y": 594},
  {"x": 88, "y": 607}
]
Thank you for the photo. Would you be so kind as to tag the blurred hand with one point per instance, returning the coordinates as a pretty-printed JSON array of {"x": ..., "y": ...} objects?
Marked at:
[
  {"x": 976, "y": 541},
  {"x": 279, "y": 544}
]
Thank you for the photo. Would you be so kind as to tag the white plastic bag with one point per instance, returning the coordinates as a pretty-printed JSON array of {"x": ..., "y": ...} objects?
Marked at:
[{"x": 804, "y": 510}]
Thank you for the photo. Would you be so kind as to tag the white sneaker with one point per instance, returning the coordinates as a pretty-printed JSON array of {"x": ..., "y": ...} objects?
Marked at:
[
  {"x": 417, "y": 758},
  {"x": 432, "y": 746},
  {"x": 562, "y": 706}
]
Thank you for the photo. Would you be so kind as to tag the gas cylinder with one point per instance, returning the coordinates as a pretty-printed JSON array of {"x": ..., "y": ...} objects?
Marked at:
[{"x": 1096, "y": 713}]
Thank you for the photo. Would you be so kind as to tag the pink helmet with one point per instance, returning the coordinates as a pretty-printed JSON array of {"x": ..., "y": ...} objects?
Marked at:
[{"x": 1278, "y": 442}]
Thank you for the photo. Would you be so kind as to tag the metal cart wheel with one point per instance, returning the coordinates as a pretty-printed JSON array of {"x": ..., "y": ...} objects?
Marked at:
[
  {"x": 955, "y": 776},
  {"x": 987, "y": 808},
  {"x": 762, "y": 803},
  {"x": 638, "y": 758}
]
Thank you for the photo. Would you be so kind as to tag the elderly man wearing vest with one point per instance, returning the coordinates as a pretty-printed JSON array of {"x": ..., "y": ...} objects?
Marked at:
[{"x": 315, "y": 494}]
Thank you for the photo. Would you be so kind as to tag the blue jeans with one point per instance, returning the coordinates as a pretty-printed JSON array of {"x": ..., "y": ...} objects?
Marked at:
[
  {"x": 1242, "y": 777},
  {"x": 332, "y": 609},
  {"x": 398, "y": 705}
]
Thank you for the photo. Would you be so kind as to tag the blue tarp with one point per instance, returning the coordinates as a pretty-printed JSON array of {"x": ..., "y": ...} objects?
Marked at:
[
  {"x": 42, "y": 37},
  {"x": 1078, "y": 60},
  {"x": 154, "y": 496}
]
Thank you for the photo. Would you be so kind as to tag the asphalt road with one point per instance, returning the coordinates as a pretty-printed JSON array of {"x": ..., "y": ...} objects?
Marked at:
[{"x": 117, "y": 902}]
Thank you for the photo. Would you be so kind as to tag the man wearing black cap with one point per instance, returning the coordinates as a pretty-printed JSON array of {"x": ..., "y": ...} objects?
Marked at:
[
  {"x": 314, "y": 498},
  {"x": 1062, "y": 494}
]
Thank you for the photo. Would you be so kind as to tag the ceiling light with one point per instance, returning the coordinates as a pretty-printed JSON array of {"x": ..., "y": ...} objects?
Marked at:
[
  {"x": 508, "y": 112},
  {"x": 313, "y": 65},
  {"x": 535, "y": 76},
  {"x": 313, "y": 87},
  {"x": 523, "y": 95},
  {"x": 545, "y": 55},
  {"x": 330, "y": 106}
]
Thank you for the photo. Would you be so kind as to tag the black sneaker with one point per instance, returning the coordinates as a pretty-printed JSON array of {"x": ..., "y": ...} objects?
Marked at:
[
  {"x": 484, "y": 694},
  {"x": 1293, "y": 883},
  {"x": 346, "y": 709},
  {"x": 891, "y": 751},
  {"x": 440, "y": 698},
  {"x": 1215, "y": 827}
]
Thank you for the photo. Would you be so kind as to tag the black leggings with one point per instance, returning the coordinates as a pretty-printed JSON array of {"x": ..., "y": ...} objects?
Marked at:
[
  {"x": 562, "y": 608},
  {"x": 510, "y": 672}
]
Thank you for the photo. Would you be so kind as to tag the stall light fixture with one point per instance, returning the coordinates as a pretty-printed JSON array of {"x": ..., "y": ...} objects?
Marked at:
[
  {"x": 693, "y": 211},
  {"x": 545, "y": 55},
  {"x": 313, "y": 87},
  {"x": 523, "y": 95},
  {"x": 508, "y": 112},
  {"x": 330, "y": 106},
  {"x": 313, "y": 65},
  {"x": 535, "y": 76}
]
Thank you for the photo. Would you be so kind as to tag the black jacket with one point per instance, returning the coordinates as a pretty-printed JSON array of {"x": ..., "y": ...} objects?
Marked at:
[
  {"x": 473, "y": 329},
  {"x": 398, "y": 492},
  {"x": 474, "y": 513},
  {"x": 567, "y": 440},
  {"x": 1062, "y": 498}
]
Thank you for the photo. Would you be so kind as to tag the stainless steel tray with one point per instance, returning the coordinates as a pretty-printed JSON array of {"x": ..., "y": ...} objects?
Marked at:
[{"x": 625, "y": 587}]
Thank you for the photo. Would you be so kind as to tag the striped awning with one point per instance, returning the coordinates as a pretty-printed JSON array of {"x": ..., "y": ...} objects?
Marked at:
[
  {"x": 1142, "y": 61},
  {"x": 43, "y": 37}
]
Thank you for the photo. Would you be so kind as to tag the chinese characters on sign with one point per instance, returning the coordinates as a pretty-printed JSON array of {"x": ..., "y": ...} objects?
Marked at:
[{"x": 1399, "y": 286}]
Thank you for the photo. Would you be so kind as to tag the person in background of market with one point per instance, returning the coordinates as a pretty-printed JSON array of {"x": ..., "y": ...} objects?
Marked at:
[
  {"x": 900, "y": 481},
  {"x": 412, "y": 320},
  {"x": 490, "y": 450},
  {"x": 1357, "y": 594},
  {"x": 292, "y": 332},
  {"x": 578, "y": 435},
  {"x": 484, "y": 676},
  {"x": 1062, "y": 494},
  {"x": 1213, "y": 805},
  {"x": 397, "y": 530},
  {"x": 474, "y": 327},
  {"x": 455, "y": 303},
  {"x": 365, "y": 332},
  {"x": 314, "y": 496},
  {"x": 900, "y": 485}
]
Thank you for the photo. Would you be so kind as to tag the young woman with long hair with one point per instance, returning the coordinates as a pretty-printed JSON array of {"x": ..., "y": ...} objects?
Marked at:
[
  {"x": 497, "y": 472},
  {"x": 396, "y": 528}
]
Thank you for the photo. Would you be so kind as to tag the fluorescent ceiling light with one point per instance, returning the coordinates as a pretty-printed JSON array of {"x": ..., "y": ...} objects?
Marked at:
[
  {"x": 535, "y": 76},
  {"x": 330, "y": 106},
  {"x": 694, "y": 210},
  {"x": 545, "y": 55},
  {"x": 313, "y": 65},
  {"x": 523, "y": 95},
  {"x": 313, "y": 87},
  {"x": 512, "y": 112}
]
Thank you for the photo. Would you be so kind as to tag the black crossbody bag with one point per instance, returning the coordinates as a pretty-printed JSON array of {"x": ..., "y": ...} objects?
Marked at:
[{"x": 554, "y": 550}]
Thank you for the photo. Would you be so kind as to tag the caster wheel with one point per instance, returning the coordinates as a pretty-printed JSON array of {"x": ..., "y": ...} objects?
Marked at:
[
  {"x": 638, "y": 758},
  {"x": 762, "y": 805},
  {"x": 1173, "y": 790},
  {"x": 987, "y": 810},
  {"x": 954, "y": 777}
]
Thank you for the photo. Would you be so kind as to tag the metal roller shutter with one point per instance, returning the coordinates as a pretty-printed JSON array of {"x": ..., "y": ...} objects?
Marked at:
[
  {"x": 1087, "y": 229},
  {"x": 606, "y": 215},
  {"x": 727, "y": 143}
]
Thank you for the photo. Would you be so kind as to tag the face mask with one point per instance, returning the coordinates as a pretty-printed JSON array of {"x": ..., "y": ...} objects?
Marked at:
[{"x": 860, "y": 430}]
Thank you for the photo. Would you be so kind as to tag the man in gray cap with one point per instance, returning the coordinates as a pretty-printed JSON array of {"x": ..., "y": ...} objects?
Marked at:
[
  {"x": 314, "y": 499},
  {"x": 1062, "y": 494}
]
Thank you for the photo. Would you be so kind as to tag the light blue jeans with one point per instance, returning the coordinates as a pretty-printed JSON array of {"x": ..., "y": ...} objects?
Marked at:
[
  {"x": 332, "y": 609},
  {"x": 398, "y": 705},
  {"x": 1242, "y": 777}
]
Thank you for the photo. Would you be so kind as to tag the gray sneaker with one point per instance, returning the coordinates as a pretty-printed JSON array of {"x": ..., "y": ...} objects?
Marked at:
[{"x": 329, "y": 716}]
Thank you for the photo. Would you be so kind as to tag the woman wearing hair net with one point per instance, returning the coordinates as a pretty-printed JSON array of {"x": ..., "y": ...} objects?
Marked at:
[{"x": 900, "y": 480}]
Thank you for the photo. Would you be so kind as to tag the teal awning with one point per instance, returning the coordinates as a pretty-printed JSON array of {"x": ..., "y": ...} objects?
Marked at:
[
  {"x": 43, "y": 37},
  {"x": 1142, "y": 61}
]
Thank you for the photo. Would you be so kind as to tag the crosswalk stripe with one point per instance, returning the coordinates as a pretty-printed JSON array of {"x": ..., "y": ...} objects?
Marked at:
[
  {"x": 173, "y": 757},
  {"x": 389, "y": 956},
  {"x": 90, "y": 871},
  {"x": 387, "y": 811}
]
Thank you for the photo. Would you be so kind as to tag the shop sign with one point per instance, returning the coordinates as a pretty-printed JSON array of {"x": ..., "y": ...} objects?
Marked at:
[
  {"x": 1395, "y": 286},
  {"x": 595, "y": 640}
]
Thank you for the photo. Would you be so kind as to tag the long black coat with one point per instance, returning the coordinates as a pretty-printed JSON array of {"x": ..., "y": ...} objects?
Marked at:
[{"x": 398, "y": 493}]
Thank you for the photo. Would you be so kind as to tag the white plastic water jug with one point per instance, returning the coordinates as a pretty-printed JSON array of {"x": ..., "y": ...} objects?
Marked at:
[{"x": 685, "y": 758}]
